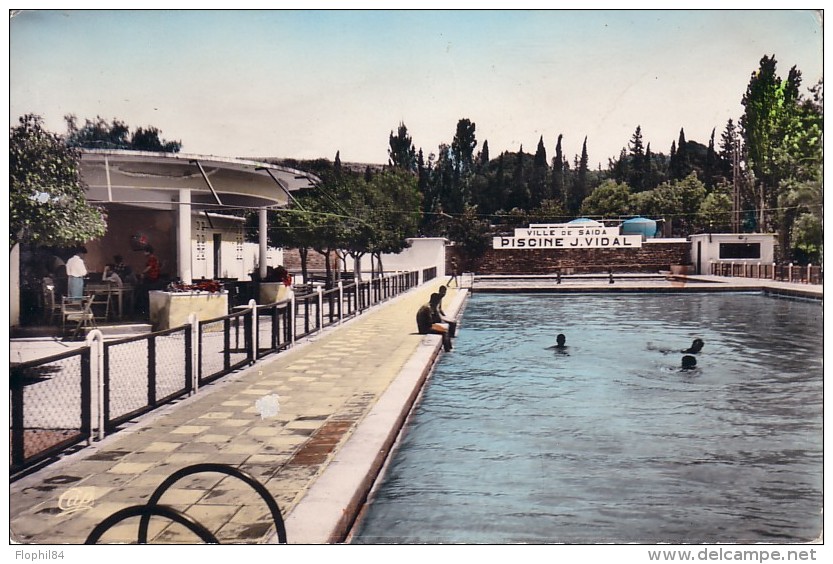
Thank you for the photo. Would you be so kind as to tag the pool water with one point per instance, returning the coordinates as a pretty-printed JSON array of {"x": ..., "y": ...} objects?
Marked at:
[{"x": 612, "y": 442}]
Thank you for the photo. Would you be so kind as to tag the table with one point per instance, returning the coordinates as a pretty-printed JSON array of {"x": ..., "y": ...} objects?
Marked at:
[{"x": 111, "y": 290}]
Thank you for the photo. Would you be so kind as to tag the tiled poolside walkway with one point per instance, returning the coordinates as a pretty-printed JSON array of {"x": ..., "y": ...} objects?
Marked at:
[
  {"x": 341, "y": 399},
  {"x": 368, "y": 369}
]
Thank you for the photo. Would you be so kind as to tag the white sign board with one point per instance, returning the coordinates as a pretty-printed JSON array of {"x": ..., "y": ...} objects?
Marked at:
[
  {"x": 585, "y": 235},
  {"x": 569, "y": 242}
]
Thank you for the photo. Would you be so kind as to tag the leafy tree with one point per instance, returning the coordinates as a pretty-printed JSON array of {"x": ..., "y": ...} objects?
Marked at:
[
  {"x": 620, "y": 168},
  {"x": 47, "y": 204},
  {"x": 401, "y": 153},
  {"x": 636, "y": 176},
  {"x": 98, "y": 134},
  {"x": 715, "y": 213},
  {"x": 538, "y": 185},
  {"x": 483, "y": 158},
  {"x": 462, "y": 148},
  {"x": 579, "y": 187},
  {"x": 394, "y": 213},
  {"x": 676, "y": 202},
  {"x": 558, "y": 172},
  {"x": 610, "y": 199},
  {"x": 801, "y": 204},
  {"x": 680, "y": 165},
  {"x": 807, "y": 237},
  {"x": 729, "y": 145},
  {"x": 550, "y": 211},
  {"x": 471, "y": 232},
  {"x": 767, "y": 103},
  {"x": 711, "y": 168},
  {"x": 520, "y": 196},
  {"x": 148, "y": 139}
]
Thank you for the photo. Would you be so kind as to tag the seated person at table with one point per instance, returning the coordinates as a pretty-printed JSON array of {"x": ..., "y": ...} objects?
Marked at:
[
  {"x": 426, "y": 325},
  {"x": 109, "y": 276}
]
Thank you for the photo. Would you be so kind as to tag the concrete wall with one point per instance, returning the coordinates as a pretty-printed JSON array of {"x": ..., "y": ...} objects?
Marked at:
[
  {"x": 158, "y": 226},
  {"x": 238, "y": 257},
  {"x": 424, "y": 252},
  {"x": 653, "y": 256}
]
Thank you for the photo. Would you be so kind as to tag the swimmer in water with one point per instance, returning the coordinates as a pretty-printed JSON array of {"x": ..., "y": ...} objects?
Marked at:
[
  {"x": 696, "y": 347},
  {"x": 560, "y": 345},
  {"x": 689, "y": 362}
]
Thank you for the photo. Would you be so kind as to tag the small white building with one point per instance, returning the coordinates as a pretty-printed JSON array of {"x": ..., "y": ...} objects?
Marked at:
[{"x": 738, "y": 248}]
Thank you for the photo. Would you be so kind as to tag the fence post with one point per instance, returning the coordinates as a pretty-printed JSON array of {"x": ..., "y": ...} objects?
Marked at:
[
  {"x": 95, "y": 340},
  {"x": 320, "y": 313},
  {"x": 254, "y": 334},
  {"x": 194, "y": 322},
  {"x": 790, "y": 273},
  {"x": 809, "y": 271},
  {"x": 340, "y": 301},
  {"x": 290, "y": 295}
]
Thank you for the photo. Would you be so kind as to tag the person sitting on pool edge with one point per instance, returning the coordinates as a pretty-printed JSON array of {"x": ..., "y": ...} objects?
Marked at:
[
  {"x": 426, "y": 324},
  {"x": 696, "y": 347},
  {"x": 438, "y": 315},
  {"x": 689, "y": 362}
]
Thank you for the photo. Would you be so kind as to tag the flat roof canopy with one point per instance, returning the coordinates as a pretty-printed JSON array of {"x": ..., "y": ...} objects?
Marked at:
[{"x": 153, "y": 180}]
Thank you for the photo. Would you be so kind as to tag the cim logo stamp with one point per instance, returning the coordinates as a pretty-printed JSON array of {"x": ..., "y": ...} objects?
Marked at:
[
  {"x": 268, "y": 406},
  {"x": 76, "y": 499}
]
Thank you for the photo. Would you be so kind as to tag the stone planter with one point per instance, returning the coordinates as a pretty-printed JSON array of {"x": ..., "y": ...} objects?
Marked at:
[
  {"x": 271, "y": 292},
  {"x": 682, "y": 269},
  {"x": 171, "y": 309}
]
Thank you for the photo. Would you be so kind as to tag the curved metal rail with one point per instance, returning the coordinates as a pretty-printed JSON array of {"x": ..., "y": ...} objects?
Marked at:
[
  {"x": 221, "y": 469},
  {"x": 146, "y": 511}
]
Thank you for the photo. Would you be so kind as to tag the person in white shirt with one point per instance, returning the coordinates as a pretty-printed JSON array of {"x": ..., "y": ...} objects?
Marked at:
[{"x": 76, "y": 271}]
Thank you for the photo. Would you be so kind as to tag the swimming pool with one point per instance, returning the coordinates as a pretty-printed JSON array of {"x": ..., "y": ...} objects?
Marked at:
[{"x": 513, "y": 442}]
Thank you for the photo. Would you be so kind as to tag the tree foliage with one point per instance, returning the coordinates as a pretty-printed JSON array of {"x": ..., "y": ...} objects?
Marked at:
[
  {"x": 782, "y": 131},
  {"x": 611, "y": 199},
  {"x": 47, "y": 204},
  {"x": 98, "y": 134},
  {"x": 401, "y": 151}
]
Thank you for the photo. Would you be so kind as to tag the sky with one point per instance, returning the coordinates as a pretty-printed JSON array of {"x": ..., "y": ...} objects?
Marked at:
[{"x": 307, "y": 84}]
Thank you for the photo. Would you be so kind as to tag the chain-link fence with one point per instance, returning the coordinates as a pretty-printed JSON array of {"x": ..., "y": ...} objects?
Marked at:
[
  {"x": 59, "y": 401},
  {"x": 141, "y": 373},
  {"x": 49, "y": 406}
]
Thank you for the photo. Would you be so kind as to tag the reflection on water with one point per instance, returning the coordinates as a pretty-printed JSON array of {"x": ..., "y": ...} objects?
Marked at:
[{"x": 514, "y": 443}]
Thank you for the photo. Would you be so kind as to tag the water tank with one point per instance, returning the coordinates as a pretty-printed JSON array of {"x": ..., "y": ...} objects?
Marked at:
[
  {"x": 583, "y": 220},
  {"x": 640, "y": 226}
]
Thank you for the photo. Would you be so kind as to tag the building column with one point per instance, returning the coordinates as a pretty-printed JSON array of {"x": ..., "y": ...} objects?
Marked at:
[
  {"x": 262, "y": 241},
  {"x": 183, "y": 237}
]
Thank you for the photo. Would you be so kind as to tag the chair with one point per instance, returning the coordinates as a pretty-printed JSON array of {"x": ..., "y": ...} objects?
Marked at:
[
  {"x": 51, "y": 306},
  {"x": 79, "y": 312},
  {"x": 101, "y": 298}
]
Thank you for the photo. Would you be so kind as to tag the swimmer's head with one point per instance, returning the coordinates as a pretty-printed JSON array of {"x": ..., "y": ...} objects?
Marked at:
[
  {"x": 560, "y": 339},
  {"x": 689, "y": 362},
  {"x": 696, "y": 345}
]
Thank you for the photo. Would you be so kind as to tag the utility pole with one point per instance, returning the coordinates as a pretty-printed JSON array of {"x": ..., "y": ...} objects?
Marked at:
[{"x": 735, "y": 188}]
